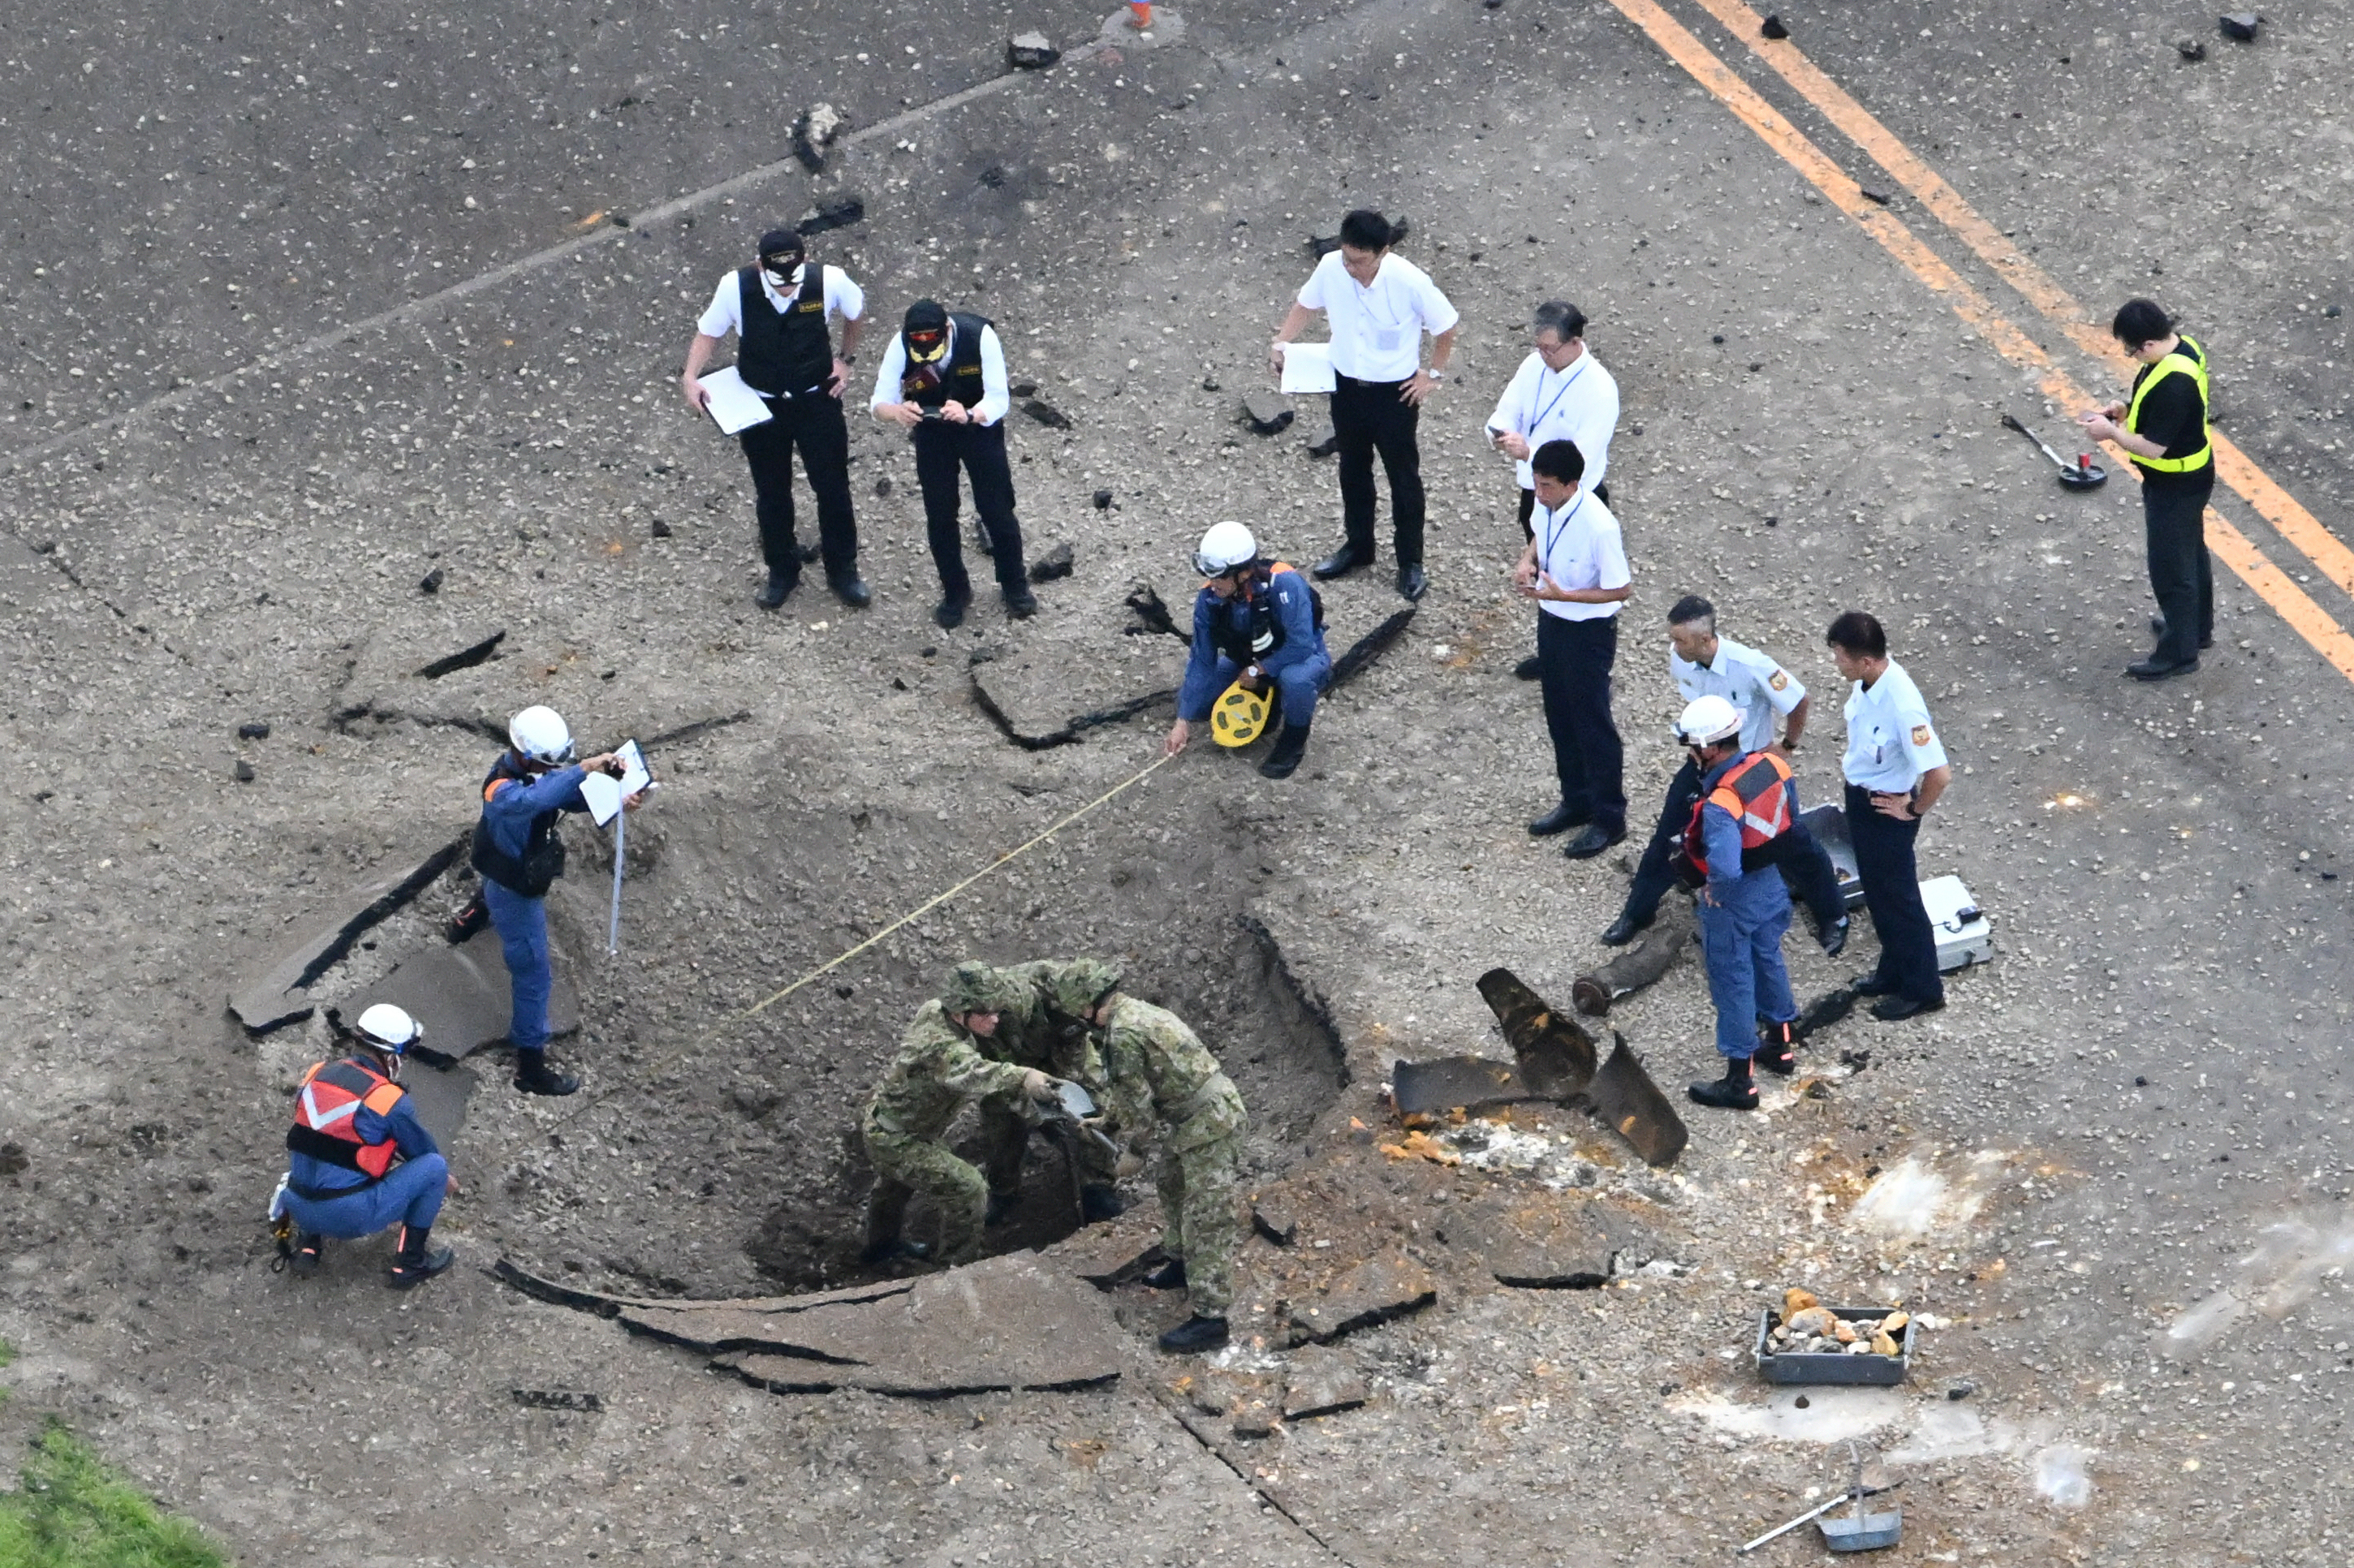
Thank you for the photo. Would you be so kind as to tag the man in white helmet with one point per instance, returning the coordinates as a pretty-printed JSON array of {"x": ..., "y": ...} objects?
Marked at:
[
  {"x": 516, "y": 849},
  {"x": 1261, "y": 623},
  {"x": 358, "y": 1160},
  {"x": 1747, "y": 801}
]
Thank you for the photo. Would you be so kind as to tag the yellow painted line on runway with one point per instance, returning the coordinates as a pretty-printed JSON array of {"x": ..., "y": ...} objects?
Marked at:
[
  {"x": 2291, "y": 603},
  {"x": 2300, "y": 527}
]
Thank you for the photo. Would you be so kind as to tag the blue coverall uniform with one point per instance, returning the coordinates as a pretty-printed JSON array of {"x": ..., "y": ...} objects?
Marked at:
[
  {"x": 1298, "y": 664},
  {"x": 409, "y": 1194},
  {"x": 522, "y": 922},
  {"x": 1742, "y": 917}
]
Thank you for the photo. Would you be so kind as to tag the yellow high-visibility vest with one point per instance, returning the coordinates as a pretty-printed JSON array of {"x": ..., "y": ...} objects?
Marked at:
[{"x": 2194, "y": 365}]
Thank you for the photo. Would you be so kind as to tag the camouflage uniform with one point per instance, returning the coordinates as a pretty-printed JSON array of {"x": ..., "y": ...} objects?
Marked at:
[
  {"x": 1039, "y": 1031},
  {"x": 1162, "y": 1077},
  {"x": 938, "y": 1068}
]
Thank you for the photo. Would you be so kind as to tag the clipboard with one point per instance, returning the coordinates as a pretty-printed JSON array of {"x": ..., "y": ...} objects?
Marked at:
[
  {"x": 604, "y": 793},
  {"x": 732, "y": 405},
  {"x": 1307, "y": 367}
]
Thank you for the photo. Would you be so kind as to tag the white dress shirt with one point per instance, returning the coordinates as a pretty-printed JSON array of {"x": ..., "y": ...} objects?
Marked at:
[
  {"x": 1377, "y": 330},
  {"x": 1757, "y": 687},
  {"x": 1579, "y": 547},
  {"x": 1890, "y": 741},
  {"x": 1579, "y": 404},
  {"x": 996, "y": 396},
  {"x": 725, "y": 313}
]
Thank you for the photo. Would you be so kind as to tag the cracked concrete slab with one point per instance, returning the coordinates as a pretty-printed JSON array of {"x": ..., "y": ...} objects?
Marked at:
[
  {"x": 1387, "y": 1285},
  {"x": 279, "y": 995},
  {"x": 1321, "y": 1382},
  {"x": 461, "y": 995},
  {"x": 1551, "y": 1242}
]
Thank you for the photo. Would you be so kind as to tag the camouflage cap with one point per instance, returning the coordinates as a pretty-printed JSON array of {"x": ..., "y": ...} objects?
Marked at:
[
  {"x": 1084, "y": 983},
  {"x": 976, "y": 987}
]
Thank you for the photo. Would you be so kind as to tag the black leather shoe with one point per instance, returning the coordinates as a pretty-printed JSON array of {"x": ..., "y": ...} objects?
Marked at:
[
  {"x": 851, "y": 590},
  {"x": 1021, "y": 603},
  {"x": 1413, "y": 582},
  {"x": 535, "y": 1076},
  {"x": 1196, "y": 1333},
  {"x": 1897, "y": 1009},
  {"x": 1833, "y": 937},
  {"x": 1528, "y": 669},
  {"x": 1559, "y": 820},
  {"x": 2159, "y": 669},
  {"x": 1099, "y": 1203},
  {"x": 1170, "y": 1275},
  {"x": 772, "y": 592},
  {"x": 1625, "y": 930},
  {"x": 1872, "y": 985},
  {"x": 1592, "y": 842},
  {"x": 2157, "y": 629},
  {"x": 1341, "y": 561},
  {"x": 1727, "y": 1093},
  {"x": 948, "y": 614}
]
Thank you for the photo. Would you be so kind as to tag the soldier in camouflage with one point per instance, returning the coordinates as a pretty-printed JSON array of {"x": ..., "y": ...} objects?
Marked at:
[
  {"x": 949, "y": 1056},
  {"x": 1034, "y": 1032},
  {"x": 1159, "y": 1076}
]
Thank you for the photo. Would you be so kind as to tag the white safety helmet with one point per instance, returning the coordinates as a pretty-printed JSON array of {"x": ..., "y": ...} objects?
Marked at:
[
  {"x": 1225, "y": 546},
  {"x": 389, "y": 1028},
  {"x": 540, "y": 735},
  {"x": 1707, "y": 720}
]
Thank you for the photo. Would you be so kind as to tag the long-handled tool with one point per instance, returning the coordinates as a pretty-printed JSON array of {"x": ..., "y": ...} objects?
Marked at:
[
  {"x": 2082, "y": 474},
  {"x": 1862, "y": 1531},
  {"x": 1856, "y": 1496}
]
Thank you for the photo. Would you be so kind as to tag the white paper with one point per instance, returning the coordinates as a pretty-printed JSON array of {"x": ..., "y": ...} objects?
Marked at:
[
  {"x": 732, "y": 406},
  {"x": 1307, "y": 367},
  {"x": 604, "y": 793}
]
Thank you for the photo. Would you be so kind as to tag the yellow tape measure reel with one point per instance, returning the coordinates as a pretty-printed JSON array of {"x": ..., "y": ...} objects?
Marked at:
[{"x": 1238, "y": 716}]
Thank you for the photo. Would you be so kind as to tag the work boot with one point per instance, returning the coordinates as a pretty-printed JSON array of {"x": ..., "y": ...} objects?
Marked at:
[
  {"x": 1626, "y": 928},
  {"x": 308, "y": 1247},
  {"x": 1734, "y": 1091},
  {"x": 1194, "y": 1334},
  {"x": 948, "y": 614},
  {"x": 1001, "y": 1206},
  {"x": 1341, "y": 561},
  {"x": 1100, "y": 1202},
  {"x": 1777, "y": 1049},
  {"x": 1290, "y": 747},
  {"x": 417, "y": 1260},
  {"x": 1559, "y": 820},
  {"x": 469, "y": 920},
  {"x": 1528, "y": 669},
  {"x": 1020, "y": 604},
  {"x": 884, "y": 1252},
  {"x": 1170, "y": 1275},
  {"x": 1833, "y": 937},
  {"x": 850, "y": 589},
  {"x": 772, "y": 592},
  {"x": 535, "y": 1076}
]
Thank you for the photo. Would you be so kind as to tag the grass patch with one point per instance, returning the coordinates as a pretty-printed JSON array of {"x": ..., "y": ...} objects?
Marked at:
[{"x": 75, "y": 1512}]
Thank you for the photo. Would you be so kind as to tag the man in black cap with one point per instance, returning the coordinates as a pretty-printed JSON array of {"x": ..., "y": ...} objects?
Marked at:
[
  {"x": 779, "y": 308},
  {"x": 943, "y": 379}
]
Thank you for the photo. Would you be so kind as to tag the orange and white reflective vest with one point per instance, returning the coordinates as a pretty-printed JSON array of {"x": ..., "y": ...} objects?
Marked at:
[
  {"x": 1755, "y": 793},
  {"x": 329, "y": 1102}
]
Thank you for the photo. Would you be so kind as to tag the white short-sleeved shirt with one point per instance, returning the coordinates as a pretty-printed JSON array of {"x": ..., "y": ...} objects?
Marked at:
[
  {"x": 1747, "y": 679},
  {"x": 1890, "y": 740},
  {"x": 1579, "y": 547},
  {"x": 1377, "y": 331},
  {"x": 726, "y": 312},
  {"x": 1579, "y": 404},
  {"x": 996, "y": 391}
]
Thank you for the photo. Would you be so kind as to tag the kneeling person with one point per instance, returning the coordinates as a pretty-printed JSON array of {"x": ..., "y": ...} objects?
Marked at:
[
  {"x": 358, "y": 1160},
  {"x": 1259, "y": 623},
  {"x": 943, "y": 1062},
  {"x": 1747, "y": 801},
  {"x": 1158, "y": 1075}
]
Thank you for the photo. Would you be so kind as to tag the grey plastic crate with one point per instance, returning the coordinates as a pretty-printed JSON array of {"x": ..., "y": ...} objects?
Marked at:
[{"x": 1821, "y": 1367}]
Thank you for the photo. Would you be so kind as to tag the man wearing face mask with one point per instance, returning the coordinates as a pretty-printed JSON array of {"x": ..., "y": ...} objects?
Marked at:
[
  {"x": 779, "y": 310},
  {"x": 1378, "y": 306},
  {"x": 943, "y": 380},
  {"x": 1256, "y": 621},
  {"x": 1560, "y": 392}
]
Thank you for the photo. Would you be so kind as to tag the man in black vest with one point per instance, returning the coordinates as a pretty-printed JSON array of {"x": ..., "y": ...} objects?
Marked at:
[
  {"x": 779, "y": 310},
  {"x": 943, "y": 379}
]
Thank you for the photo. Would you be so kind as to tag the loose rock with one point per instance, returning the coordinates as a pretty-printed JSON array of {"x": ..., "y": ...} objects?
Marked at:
[
  {"x": 1774, "y": 29},
  {"x": 254, "y": 729},
  {"x": 1323, "y": 440},
  {"x": 1055, "y": 563},
  {"x": 1047, "y": 414},
  {"x": 1031, "y": 51},
  {"x": 1267, "y": 413},
  {"x": 243, "y": 771},
  {"x": 2240, "y": 26},
  {"x": 432, "y": 581},
  {"x": 2191, "y": 49},
  {"x": 1103, "y": 500},
  {"x": 1320, "y": 1381}
]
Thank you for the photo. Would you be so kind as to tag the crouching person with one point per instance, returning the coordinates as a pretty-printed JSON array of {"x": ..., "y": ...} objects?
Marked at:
[{"x": 359, "y": 1161}]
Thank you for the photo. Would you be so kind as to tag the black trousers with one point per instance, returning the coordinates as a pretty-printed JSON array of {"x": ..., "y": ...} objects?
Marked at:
[
  {"x": 1804, "y": 863},
  {"x": 1370, "y": 417},
  {"x": 1528, "y": 507},
  {"x": 2181, "y": 572},
  {"x": 814, "y": 423},
  {"x": 1573, "y": 659},
  {"x": 941, "y": 450},
  {"x": 1891, "y": 889}
]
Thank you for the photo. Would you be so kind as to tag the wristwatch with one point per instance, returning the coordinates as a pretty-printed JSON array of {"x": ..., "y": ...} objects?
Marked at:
[{"x": 1436, "y": 375}]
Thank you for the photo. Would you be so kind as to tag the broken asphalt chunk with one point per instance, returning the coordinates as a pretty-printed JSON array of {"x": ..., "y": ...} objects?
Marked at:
[
  {"x": 1047, "y": 414},
  {"x": 2240, "y": 26},
  {"x": 1323, "y": 440},
  {"x": 274, "y": 999},
  {"x": 1868, "y": 193},
  {"x": 1548, "y": 1244},
  {"x": 814, "y": 132},
  {"x": 1055, "y": 563},
  {"x": 1267, "y": 413},
  {"x": 242, "y": 772},
  {"x": 432, "y": 581},
  {"x": 1103, "y": 500},
  {"x": 834, "y": 212},
  {"x": 256, "y": 729},
  {"x": 2191, "y": 49},
  {"x": 1031, "y": 51},
  {"x": 1276, "y": 1222},
  {"x": 1320, "y": 1381},
  {"x": 1773, "y": 28},
  {"x": 463, "y": 997},
  {"x": 465, "y": 658},
  {"x": 1384, "y": 1287}
]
